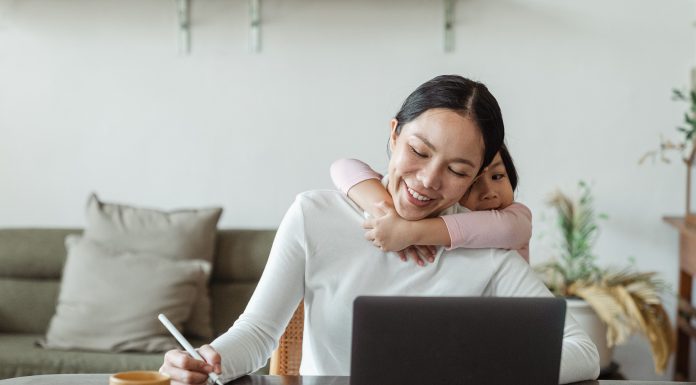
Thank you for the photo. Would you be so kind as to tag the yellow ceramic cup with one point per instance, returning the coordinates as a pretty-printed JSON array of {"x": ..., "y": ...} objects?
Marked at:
[{"x": 140, "y": 377}]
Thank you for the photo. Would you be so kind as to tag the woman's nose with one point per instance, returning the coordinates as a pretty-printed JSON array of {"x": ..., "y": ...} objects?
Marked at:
[{"x": 430, "y": 178}]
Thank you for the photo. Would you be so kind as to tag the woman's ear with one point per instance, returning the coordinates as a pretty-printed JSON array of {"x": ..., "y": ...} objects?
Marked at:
[{"x": 393, "y": 135}]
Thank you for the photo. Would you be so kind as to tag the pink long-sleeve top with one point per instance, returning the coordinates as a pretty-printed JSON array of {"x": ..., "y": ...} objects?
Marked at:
[{"x": 508, "y": 228}]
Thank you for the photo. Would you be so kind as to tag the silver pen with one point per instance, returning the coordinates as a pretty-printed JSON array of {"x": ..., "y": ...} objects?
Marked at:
[{"x": 184, "y": 342}]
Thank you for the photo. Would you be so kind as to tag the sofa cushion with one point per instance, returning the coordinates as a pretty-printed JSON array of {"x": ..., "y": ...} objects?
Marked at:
[
  {"x": 33, "y": 253},
  {"x": 180, "y": 234},
  {"x": 109, "y": 298},
  {"x": 229, "y": 301},
  {"x": 20, "y": 356},
  {"x": 240, "y": 255},
  {"x": 27, "y": 305}
]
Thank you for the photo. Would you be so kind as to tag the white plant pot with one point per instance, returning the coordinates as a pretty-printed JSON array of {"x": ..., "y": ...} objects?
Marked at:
[{"x": 593, "y": 326}]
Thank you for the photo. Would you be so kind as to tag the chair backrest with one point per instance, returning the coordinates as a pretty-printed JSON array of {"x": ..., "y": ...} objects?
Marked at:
[{"x": 286, "y": 360}]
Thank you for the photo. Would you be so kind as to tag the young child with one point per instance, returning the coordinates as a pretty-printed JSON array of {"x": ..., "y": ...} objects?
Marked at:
[{"x": 495, "y": 220}]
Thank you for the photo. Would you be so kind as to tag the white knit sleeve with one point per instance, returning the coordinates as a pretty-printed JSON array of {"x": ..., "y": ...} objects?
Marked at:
[
  {"x": 248, "y": 344},
  {"x": 515, "y": 278}
]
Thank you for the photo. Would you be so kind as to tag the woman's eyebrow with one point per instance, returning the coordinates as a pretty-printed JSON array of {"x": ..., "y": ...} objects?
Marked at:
[
  {"x": 432, "y": 147},
  {"x": 426, "y": 141}
]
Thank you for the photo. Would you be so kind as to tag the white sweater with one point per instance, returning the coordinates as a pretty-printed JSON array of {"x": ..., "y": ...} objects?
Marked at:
[{"x": 320, "y": 254}]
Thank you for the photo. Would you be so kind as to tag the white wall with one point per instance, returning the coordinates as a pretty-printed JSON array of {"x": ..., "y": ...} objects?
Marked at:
[{"x": 94, "y": 97}]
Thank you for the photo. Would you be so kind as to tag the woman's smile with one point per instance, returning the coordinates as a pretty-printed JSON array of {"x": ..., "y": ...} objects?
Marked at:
[{"x": 416, "y": 198}]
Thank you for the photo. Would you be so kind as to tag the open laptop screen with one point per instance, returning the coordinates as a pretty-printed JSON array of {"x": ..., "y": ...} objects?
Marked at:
[{"x": 456, "y": 340}]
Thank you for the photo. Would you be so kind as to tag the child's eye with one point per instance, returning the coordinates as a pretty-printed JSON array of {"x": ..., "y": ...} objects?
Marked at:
[
  {"x": 417, "y": 153},
  {"x": 498, "y": 176}
]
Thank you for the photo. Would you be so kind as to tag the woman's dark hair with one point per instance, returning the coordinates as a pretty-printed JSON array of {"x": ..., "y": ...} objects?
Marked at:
[
  {"x": 466, "y": 97},
  {"x": 509, "y": 166}
]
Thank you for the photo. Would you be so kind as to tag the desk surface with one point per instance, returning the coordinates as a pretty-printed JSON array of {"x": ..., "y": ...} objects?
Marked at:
[{"x": 103, "y": 379}]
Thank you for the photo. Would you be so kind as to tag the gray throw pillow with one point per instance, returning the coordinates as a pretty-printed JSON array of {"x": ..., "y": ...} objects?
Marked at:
[
  {"x": 177, "y": 235},
  {"x": 109, "y": 298}
]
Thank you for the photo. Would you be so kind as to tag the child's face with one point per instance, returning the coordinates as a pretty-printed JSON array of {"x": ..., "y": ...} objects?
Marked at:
[{"x": 491, "y": 190}]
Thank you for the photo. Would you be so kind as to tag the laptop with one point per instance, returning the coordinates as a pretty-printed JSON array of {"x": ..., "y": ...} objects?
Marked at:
[{"x": 456, "y": 340}]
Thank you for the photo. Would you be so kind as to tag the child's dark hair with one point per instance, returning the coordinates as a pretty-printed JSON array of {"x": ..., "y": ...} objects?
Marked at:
[{"x": 509, "y": 166}]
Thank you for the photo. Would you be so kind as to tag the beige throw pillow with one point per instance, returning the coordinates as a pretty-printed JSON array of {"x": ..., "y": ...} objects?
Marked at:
[
  {"x": 109, "y": 298},
  {"x": 177, "y": 235}
]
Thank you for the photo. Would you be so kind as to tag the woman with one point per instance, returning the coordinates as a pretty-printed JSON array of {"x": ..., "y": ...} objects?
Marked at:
[{"x": 446, "y": 131}]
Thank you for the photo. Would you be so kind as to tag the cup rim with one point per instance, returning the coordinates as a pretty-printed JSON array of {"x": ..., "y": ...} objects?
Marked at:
[{"x": 139, "y": 377}]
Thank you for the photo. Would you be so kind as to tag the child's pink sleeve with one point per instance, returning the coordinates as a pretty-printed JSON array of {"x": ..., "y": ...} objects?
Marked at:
[
  {"x": 346, "y": 173},
  {"x": 509, "y": 228}
]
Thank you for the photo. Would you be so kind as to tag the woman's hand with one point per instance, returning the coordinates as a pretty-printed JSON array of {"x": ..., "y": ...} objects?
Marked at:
[
  {"x": 184, "y": 369},
  {"x": 390, "y": 232}
]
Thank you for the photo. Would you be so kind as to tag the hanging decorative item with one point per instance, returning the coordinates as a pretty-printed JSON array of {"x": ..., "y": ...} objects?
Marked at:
[
  {"x": 255, "y": 27},
  {"x": 449, "y": 26},
  {"x": 686, "y": 147},
  {"x": 184, "y": 16},
  {"x": 184, "y": 11}
]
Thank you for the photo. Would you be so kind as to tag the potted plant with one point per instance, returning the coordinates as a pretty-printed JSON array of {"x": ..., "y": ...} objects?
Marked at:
[
  {"x": 609, "y": 304},
  {"x": 685, "y": 147}
]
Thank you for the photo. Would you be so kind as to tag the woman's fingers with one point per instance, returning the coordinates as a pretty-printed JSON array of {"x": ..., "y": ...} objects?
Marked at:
[
  {"x": 402, "y": 255},
  {"x": 184, "y": 369},
  {"x": 212, "y": 357},
  {"x": 181, "y": 376},
  {"x": 181, "y": 359}
]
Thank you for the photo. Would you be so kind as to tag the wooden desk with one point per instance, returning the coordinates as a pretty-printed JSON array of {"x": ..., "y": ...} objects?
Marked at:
[
  {"x": 687, "y": 270},
  {"x": 103, "y": 379}
]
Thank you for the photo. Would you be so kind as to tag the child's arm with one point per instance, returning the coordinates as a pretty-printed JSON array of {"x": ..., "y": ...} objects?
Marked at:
[
  {"x": 361, "y": 183},
  {"x": 391, "y": 232},
  {"x": 509, "y": 228},
  {"x": 357, "y": 180}
]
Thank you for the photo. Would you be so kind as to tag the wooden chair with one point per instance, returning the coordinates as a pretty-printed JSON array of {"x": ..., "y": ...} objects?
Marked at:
[{"x": 285, "y": 360}]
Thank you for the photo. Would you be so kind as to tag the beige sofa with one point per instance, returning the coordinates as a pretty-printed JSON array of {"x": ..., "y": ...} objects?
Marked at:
[{"x": 31, "y": 262}]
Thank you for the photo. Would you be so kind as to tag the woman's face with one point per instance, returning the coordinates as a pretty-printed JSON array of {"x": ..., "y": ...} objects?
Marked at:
[
  {"x": 434, "y": 161},
  {"x": 492, "y": 190}
]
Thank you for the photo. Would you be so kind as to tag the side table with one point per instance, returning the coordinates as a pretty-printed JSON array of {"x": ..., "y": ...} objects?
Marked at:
[{"x": 687, "y": 270}]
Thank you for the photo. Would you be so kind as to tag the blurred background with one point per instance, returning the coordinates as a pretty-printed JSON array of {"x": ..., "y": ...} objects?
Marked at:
[{"x": 96, "y": 95}]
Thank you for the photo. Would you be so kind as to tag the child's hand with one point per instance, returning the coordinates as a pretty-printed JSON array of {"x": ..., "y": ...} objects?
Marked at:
[
  {"x": 389, "y": 232},
  {"x": 419, "y": 253}
]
